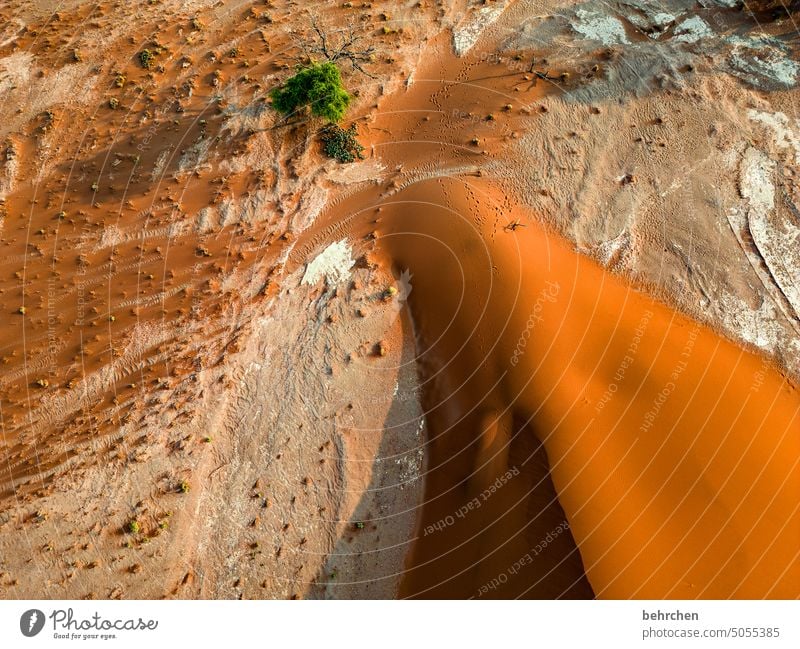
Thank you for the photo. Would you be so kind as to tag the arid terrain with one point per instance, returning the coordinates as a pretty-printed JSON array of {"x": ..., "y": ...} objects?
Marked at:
[{"x": 542, "y": 341}]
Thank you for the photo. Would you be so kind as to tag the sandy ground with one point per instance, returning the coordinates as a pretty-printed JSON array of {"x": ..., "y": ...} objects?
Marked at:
[{"x": 188, "y": 345}]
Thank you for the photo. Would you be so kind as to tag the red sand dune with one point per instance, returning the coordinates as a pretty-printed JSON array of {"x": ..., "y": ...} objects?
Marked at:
[
  {"x": 663, "y": 453},
  {"x": 674, "y": 453},
  {"x": 583, "y": 439}
]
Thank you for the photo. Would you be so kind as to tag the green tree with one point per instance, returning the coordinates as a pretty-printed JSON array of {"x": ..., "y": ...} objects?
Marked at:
[{"x": 317, "y": 86}]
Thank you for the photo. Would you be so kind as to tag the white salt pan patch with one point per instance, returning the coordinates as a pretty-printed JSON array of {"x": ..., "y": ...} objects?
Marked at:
[
  {"x": 333, "y": 263},
  {"x": 692, "y": 30},
  {"x": 762, "y": 58},
  {"x": 756, "y": 181},
  {"x": 651, "y": 16},
  {"x": 777, "y": 238},
  {"x": 759, "y": 326},
  {"x": 783, "y": 135},
  {"x": 600, "y": 27},
  {"x": 661, "y": 20},
  {"x": 469, "y": 30},
  {"x": 776, "y": 235}
]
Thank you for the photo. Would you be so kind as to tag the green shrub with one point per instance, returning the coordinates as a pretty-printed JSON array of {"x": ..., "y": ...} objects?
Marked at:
[
  {"x": 146, "y": 58},
  {"x": 342, "y": 144},
  {"x": 318, "y": 86},
  {"x": 133, "y": 527}
]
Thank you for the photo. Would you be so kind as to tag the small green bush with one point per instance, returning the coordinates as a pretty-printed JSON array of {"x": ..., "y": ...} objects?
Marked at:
[
  {"x": 133, "y": 527},
  {"x": 147, "y": 58},
  {"x": 318, "y": 86},
  {"x": 341, "y": 144}
]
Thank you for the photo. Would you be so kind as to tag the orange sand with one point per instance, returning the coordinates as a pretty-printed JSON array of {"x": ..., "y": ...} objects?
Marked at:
[
  {"x": 615, "y": 448},
  {"x": 674, "y": 453}
]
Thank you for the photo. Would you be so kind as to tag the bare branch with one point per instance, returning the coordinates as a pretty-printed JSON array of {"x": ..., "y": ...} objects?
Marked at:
[
  {"x": 323, "y": 39},
  {"x": 333, "y": 46}
]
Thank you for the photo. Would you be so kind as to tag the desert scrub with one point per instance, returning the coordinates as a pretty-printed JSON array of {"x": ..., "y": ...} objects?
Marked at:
[
  {"x": 341, "y": 144},
  {"x": 133, "y": 527},
  {"x": 147, "y": 58},
  {"x": 183, "y": 487},
  {"x": 317, "y": 86}
]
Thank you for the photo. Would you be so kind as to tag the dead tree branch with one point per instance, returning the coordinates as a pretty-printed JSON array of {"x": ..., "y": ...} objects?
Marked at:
[{"x": 340, "y": 45}]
